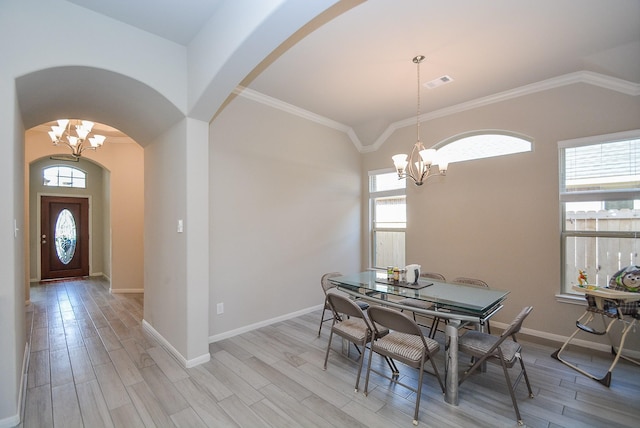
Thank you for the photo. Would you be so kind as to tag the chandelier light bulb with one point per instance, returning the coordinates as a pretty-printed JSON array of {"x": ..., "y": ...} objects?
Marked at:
[{"x": 61, "y": 134}]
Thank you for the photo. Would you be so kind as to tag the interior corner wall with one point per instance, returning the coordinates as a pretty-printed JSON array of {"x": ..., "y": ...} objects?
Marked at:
[
  {"x": 284, "y": 209},
  {"x": 165, "y": 277},
  {"x": 498, "y": 219},
  {"x": 12, "y": 268}
]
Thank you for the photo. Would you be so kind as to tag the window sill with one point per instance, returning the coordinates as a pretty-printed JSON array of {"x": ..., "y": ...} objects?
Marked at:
[{"x": 572, "y": 299}]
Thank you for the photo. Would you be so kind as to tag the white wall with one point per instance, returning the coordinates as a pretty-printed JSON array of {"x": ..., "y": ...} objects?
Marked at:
[
  {"x": 142, "y": 85},
  {"x": 284, "y": 209},
  {"x": 498, "y": 219}
]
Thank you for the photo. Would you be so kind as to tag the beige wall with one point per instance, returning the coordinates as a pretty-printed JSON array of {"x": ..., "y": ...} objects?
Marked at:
[
  {"x": 93, "y": 191},
  {"x": 498, "y": 219},
  {"x": 284, "y": 209},
  {"x": 117, "y": 209}
]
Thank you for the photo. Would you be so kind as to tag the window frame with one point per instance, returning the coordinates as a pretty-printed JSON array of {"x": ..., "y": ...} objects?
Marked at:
[
  {"x": 600, "y": 195},
  {"x": 480, "y": 133},
  {"x": 373, "y": 195},
  {"x": 71, "y": 177}
]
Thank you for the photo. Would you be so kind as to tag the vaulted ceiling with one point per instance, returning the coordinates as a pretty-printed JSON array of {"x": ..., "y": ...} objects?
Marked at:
[{"x": 356, "y": 70}]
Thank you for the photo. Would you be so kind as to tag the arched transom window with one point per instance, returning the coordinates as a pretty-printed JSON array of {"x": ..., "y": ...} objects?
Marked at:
[
  {"x": 64, "y": 176},
  {"x": 483, "y": 144}
]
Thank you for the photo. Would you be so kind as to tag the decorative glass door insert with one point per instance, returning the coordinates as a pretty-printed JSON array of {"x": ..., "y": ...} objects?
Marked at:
[{"x": 65, "y": 236}]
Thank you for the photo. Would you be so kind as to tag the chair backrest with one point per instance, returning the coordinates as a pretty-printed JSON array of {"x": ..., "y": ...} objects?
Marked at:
[
  {"x": 343, "y": 305},
  {"x": 326, "y": 284},
  {"x": 516, "y": 324},
  {"x": 393, "y": 320},
  {"x": 470, "y": 281},
  {"x": 432, "y": 275}
]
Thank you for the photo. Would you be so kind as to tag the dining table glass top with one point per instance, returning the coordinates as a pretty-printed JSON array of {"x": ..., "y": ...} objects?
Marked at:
[{"x": 465, "y": 299}]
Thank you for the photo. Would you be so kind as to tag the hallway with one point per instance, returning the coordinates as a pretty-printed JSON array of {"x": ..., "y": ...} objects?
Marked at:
[{"x": 92, "y": 365}]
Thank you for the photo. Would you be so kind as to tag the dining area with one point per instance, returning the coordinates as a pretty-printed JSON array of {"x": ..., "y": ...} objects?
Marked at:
[{"x": 397, "y": 318}]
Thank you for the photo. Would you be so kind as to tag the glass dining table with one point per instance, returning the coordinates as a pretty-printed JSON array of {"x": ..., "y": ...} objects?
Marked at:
[{"x": 458, "y": 304}]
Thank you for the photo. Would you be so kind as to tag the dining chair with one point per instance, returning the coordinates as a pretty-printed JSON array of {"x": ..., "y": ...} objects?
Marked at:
[
  {"x": 350, "y": 323},
  {"x": 476, "y": 282},
  {"x": 503, "y": 350},
  {"x": 465, "y": 281},
  {"x": 404, "y": 343},
  {"x": 421, "y": 304},
  {"x": 326, "y": 286}
]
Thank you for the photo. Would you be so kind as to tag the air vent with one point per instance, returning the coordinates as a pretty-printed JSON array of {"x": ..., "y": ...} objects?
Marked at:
[{"x": 438, "y": 82}]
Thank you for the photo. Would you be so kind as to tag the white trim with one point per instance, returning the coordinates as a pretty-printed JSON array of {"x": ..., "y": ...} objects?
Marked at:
[
  {"x": 600, "y": 139},
  {"x": 173, "y": 351},
  {"x": 587, "y": 77},
  {"x": 10, "y": 422},
  {"x": 14, "y": 420},
  {"x": 126, "y": 290},
  {"x": 250, "y": 327},
  {"x": 562, "y": 339}
]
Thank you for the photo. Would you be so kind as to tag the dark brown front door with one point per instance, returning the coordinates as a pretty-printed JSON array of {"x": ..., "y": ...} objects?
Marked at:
[{"x": 64, "y": 237}]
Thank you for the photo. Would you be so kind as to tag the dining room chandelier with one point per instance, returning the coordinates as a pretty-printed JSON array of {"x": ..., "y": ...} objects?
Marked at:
[
  {"x": 76, "y": 135},
  {"x": 418, "y": 165}
]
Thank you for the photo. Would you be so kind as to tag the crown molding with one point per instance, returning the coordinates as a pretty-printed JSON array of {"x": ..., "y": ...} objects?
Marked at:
[{"x": 587, "y": 77}]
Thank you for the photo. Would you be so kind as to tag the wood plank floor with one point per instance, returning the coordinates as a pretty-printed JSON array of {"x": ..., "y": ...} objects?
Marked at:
[{"x": 92, "y": 365}]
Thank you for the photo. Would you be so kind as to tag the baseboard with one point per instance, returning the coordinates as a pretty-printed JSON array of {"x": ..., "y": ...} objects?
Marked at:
[
  {"x": 14, "y": 420},
  {"x": 173, "y": 351},
  {"x": 559, "y": 340},
  {"x": 26, "y": 360},
  {"x": 10, "y": 422},
  {"x": 126, "y": 290},
  {"x": 247, "y": 328}
]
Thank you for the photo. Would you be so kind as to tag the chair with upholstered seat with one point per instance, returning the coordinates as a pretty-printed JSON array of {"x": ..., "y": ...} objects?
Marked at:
[
  {"x": 464, "y": 281},
  {"x": 404, "y": 343},
  {"x": 350, "y": 323},
  {"x": 421, "y": 304},
  {"x": 326, "y": 286},
  {"x": 476, "y": 282},
  {"x": 503, "y": 350}
]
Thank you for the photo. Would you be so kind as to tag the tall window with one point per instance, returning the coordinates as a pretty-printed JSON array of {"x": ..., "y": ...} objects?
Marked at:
[
  {"x": 388, "y": 219},
  {"x": 600, "y": 206},
  {"x": 64, "y": 176}
]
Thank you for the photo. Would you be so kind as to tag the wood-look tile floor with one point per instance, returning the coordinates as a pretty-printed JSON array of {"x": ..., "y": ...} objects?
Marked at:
[{"x": 92, "y": 365}]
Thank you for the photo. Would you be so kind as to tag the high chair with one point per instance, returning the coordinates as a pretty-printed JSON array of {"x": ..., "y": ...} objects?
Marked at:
[{"x": 614, "y": 306}]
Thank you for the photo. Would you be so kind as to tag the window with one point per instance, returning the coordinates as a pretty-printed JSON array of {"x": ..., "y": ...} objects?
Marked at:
[
  {"x": 600, "y": 206},
  {"x": 388, "y": 219},
  {"x": 64, "y": 176},
  {"x": 482, "y": 144}
]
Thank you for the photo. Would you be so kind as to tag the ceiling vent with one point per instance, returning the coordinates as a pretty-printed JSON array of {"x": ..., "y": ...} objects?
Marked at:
[{"x": 438, "y": 82}]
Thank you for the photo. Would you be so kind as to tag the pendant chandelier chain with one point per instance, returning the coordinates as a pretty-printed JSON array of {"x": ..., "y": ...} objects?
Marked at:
[{"x": 418, "y": 165}]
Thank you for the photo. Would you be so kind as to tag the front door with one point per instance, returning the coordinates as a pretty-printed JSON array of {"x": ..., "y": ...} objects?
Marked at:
[{"x": 64, "y": 237}]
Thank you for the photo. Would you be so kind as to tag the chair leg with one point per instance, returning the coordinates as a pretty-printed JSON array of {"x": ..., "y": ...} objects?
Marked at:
[
  {"x": 364, "y": 347},
  {"x": 322, "y": 320},
  {"x": 326, "y": 355},
  {"x": 418, "y": 393},
  {"x": 434, "y": 327},
  {"x": 392, "y": 366},
  {"x": 511, "y": 392},
  {"x": 437, "y": 373},
  {"x": 526, "y": 377},
  {"x": 366, "y": 382}
]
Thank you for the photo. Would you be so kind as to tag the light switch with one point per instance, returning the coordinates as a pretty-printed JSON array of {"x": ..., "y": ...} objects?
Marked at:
[{"x": 180, "y": 226}]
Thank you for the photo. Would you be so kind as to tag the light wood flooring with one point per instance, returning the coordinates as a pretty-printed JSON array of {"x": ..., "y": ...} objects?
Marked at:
[{"x": 92, "y": 365}]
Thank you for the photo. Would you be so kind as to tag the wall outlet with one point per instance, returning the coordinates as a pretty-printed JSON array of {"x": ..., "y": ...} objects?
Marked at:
[{"x": 220, "y": 308}]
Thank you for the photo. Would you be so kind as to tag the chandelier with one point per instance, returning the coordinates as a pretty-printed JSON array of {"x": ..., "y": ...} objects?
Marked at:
[
  {"x": 62, "y": 134},
  {"x": 418, "y": 165}
]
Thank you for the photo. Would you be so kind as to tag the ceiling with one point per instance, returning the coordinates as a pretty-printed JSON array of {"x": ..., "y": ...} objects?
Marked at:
[{"x": 357, "y": 69}]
